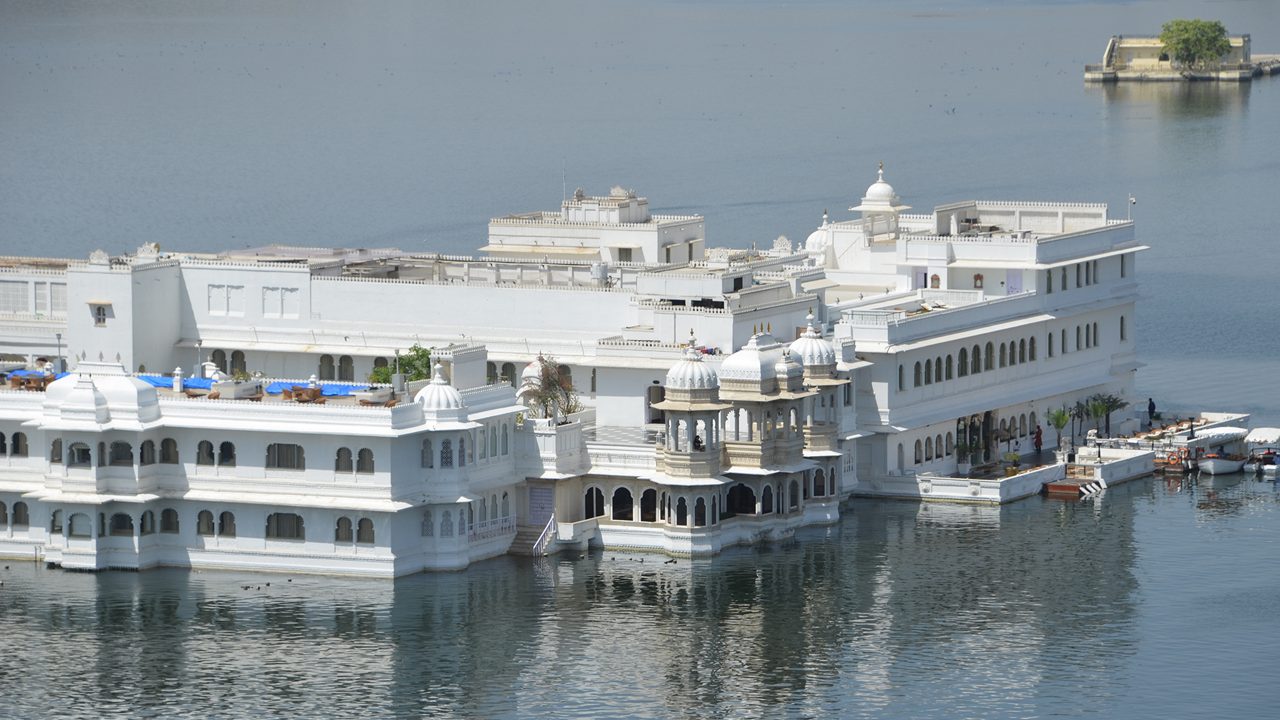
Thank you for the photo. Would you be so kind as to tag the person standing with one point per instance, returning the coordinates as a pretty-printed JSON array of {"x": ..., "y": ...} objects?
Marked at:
[
  {"x": 1151, "y": 412},
  {"x": 1039, "y": 438}
]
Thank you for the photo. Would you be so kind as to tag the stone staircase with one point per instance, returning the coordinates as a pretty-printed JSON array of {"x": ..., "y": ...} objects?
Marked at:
[{"x": 526, "y": 537}]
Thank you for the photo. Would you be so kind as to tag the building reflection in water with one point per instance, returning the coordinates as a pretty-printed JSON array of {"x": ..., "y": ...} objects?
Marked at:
[{"x": 901, "y": 609}]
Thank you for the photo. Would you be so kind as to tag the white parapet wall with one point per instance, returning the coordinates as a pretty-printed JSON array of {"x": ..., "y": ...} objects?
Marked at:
[
  {"x": 1116, "y": 465},
  {"x": 993, "y": 491}
]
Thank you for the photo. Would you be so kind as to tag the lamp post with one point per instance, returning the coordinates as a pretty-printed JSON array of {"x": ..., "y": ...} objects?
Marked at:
[
  {"x": 195, "y": 369},
  {"x": 60, "y": 365}
]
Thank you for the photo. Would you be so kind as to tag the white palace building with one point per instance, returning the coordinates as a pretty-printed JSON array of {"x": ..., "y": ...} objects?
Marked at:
[{"x": 726, "y": 396}]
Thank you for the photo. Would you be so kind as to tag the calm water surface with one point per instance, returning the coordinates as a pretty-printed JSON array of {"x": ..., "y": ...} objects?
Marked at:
[
  {"x": 1156, "y": 600},
  {"x": 213, "y": 125}
]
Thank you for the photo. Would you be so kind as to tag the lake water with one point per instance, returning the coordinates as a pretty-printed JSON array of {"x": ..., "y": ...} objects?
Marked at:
[{"x": 207, "y": 126}]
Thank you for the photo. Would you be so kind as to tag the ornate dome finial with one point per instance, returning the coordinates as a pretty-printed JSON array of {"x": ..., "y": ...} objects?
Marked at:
[
  {"x": 880, "y": 172},
  {"x": 437, "y": 374}
]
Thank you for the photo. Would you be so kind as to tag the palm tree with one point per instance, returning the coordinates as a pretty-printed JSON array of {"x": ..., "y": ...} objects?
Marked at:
[
  {"x": 1110, "y": 404},
  {"x": 1097, "y": 408},
  {"x": 1079, "y": 413},
  {"x": 1058, "y": 419}
]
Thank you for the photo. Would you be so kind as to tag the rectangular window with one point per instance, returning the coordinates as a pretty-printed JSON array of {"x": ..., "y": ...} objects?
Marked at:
[
  {"x": 271, "y": 302},
  {"x": 58, "y": 297},
  {"x": 289, "y": 303},
  {"x": 42, "y": 298},
  {"x": 284, "y": 456},
  {"x": 624, "y": 254},
  {"x": 13, "y": 296},
  {"x": 217, "y": 299},
  {"x": 1123, "y": 270}
]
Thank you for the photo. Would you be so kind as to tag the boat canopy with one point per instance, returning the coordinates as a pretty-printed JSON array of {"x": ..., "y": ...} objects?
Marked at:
[
  {"x": 1220, "y": 434},
  {"x": 1264, "y": 436}
]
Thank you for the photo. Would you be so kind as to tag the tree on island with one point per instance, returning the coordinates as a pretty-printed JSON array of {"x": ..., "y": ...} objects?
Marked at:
[{"x": 1195, "y": 44}]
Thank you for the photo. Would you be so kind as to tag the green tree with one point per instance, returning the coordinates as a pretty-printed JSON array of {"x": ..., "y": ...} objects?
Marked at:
[
  {"x": 1195, "y": 44},
  {"x": 1097, "y": 408},
  {"x": 415, "y": 364},
  {"x": 1108, "y": 404},
  {"x": 552, "y": 393},
  {"x": 1059, "y": 419}
]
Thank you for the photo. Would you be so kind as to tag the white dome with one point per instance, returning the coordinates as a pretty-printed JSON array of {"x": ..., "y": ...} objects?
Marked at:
[
  {"x": 881, "y": 197},
  {"x": 755, "y": 361},
  {"x": 531, "y": 373},
  {"x": 691, "y": 373},
  {"x": 82, "y": 402},
  {"x": 438, "y": 394},
  {"x": 811, "y": 349},
  {"x": 880, "y": 191}
]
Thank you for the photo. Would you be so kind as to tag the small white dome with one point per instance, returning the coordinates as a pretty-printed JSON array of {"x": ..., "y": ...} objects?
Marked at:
[
  {"x": 127, "y": 397},
  {"x": 811, "y": 349},
  {"x": 881, "y": 197},
  {"x": 83, "y": 402},
  {"x": 532, "y": 373},
  {"x": 691, "y": 373},
  {"x": 438, "y": 394}
]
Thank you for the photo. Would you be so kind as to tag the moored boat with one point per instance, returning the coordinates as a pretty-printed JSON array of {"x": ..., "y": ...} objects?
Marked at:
[
  {"x": 1262, "y": 445},
  {"x": 1216, "y": 464}
]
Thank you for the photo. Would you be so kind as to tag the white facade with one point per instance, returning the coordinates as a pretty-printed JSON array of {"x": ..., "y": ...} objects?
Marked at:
[{"x": 678, "y": 442}]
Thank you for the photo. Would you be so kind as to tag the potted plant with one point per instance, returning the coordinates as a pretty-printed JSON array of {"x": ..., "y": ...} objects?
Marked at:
[
  {"x": 964, "y": 452},
  {"x": 241, "y": 385},
  {"x": 1012, "y": 460}
]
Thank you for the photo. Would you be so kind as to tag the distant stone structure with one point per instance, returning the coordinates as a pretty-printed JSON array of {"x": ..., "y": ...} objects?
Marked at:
[{"x": 1142, "y": 58}]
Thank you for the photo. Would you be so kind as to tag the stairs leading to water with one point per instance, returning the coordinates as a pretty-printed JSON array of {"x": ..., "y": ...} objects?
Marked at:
[{"x": 526, "y": 537}]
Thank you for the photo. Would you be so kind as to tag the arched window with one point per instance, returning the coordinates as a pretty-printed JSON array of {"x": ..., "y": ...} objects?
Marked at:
[
  {"x": 462, "y": 452},
  {"x": 1022, "y": 350},
  {"x": 4, "y": 515},
  {"x": 901, "y": 383},
  {"x": 766, "y": 500},
  {"x": 951, "y": 447},
  {"x": 919, "y": 452},
  {"x": 346, "y": 368},
  {"x": 901, "y": 460},
  {"x": 204, "y": 523},
  {"x": 148, "y": 523},
  {"x": 917, "y": 375},
  {"x": 226, "y": 524},
  {"x": 593, "y": 503},
  {"x": 1022, "y": 425},
  {"x": 483, "y": 444},
  {"x": 79, "y": 526},
  {"x": 504, "y": 439},
  {"x": 446, "y": 453},
  {"x": 342, "y": 532},
  {"x": 699, "y": 512},
  {"x": 509, "y": 374},
  {"x": 121, "y": 454},
  {"x": 1095, "y": 342},
  {"x": 794, "y": 492},
  {"x": 682, "y": 512},
  {"x": 169, "y": 451},
  {"x": 428, "y": 457},
  {"x": 219, "y": 358},
  {"x": 622, "y": 504},
  {"x": 928, "y": 449},
  {"x": 285, "y": 526},
  {"x": 506, "y": 505},
  {"x": 21, "y": 518},
  {"x": 1063, "y": 344},
  {"x": 428, "y": 524},
  {"x": 928, "y": 372},
  {"x": 364, "y": 531},
  {"x": 326, "y": 367},
  {"x": 364, "y": 461},
  {"x": 237, "y": 362},
  {"x": 935, "y": 282},
  {"x": 4, "y": 450},
  {"x": 19, "y": 445},
  {"x": 1031, "y": 347},
  {"x": 342, "y": 463},
  {"x": 949, "y": 367},
  {"x": 1050, "y": 344},
  {"x": 102, "y": 454},
  {"x": 977, "y": 281},
  {"x": 55, "y": 450},
  {"x": 976, "y": 360},
  {"x": 1048, "y": 286},
  {"x": 963, "y": 362},
  {"x": 990, "y": 359},
  {"x": 1064, "y": 278},
  {"x": 493, "y": 442},
  {"x": 649, "y": 506},
  {"x": 78, "y": 455},
  {"x": 285, "y": 456},
  {"x": 1002, "y": 355},
  {"x": 819, "y": 483},
  {"x": 446, "y": 524},
  {"x": 168, "y": 520},
  {"x": 55, "y": 522},
  {"x": 1078, "y": 345},
  {"x": 204, "y": 453},
  {"x": 715, "y": 509},
  {"x": 147, "y": 453},
  {"x": 1123, "y": 334},
  {"x": 121, "y": 525},
  {"x": 226, "y": 455}
]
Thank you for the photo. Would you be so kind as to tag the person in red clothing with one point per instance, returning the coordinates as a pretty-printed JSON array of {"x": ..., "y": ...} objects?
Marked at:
[{"x": 1039, "y": 438}]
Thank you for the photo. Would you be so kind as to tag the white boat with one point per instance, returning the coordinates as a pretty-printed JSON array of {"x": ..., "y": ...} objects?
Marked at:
[
  {"x": 1219, "y": 450},
  {"x": 1263, "y": 445}
]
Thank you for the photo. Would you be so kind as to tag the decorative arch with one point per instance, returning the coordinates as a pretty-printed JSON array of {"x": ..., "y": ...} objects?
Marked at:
[
  {"x": 593, "y": 503},
  {"x": 621, "y": 504},
  {"x": 364, "y": 461}
]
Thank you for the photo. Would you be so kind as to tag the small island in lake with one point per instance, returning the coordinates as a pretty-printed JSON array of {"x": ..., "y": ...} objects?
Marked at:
[{"x": 1184, "y": 50}]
